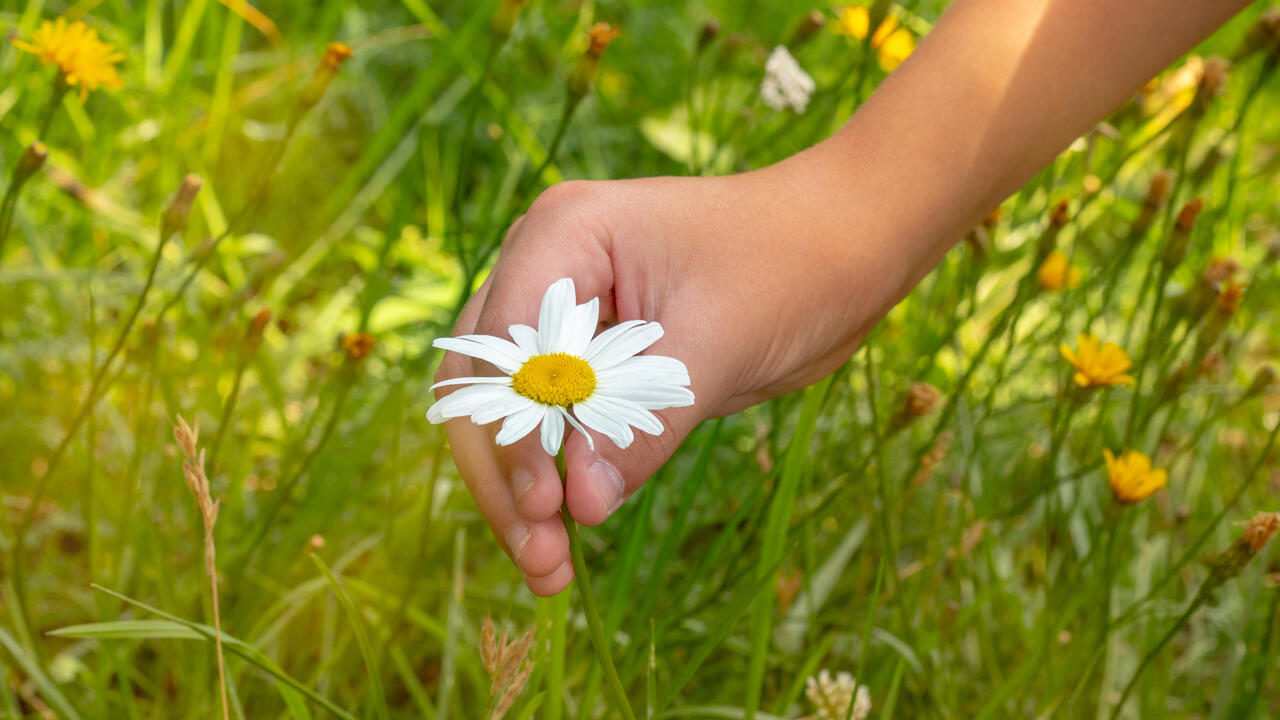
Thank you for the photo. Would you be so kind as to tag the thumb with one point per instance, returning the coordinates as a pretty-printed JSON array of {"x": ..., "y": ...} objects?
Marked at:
[{"x": 600, "y": 475}]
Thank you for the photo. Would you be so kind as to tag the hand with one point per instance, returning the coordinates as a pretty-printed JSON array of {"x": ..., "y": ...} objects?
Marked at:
[{"x": 755, "y": 304}]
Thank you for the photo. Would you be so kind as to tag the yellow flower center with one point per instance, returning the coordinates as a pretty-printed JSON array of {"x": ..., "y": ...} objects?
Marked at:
[{"x": 555, "y": 379}]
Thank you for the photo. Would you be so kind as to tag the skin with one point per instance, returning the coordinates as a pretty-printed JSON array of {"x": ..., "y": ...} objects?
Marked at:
[{"x": 767, "y": 281}]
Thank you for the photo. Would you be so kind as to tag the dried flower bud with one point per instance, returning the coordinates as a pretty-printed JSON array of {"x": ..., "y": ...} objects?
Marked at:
[
  {"x": 257, "y": 325},
  {"x": 175, "y": 215},
  {"x": 1213, "y": 79},
  {"x": 1262, "y": 381},
  {"x": 504, "y": 18},
  {"x": 599, "y": 38},
  {"x": 583, "y": 74},
  {"x": 1230, "y": 297},
  {"x": 335, "y": 55},
  {"x": 1229, "y": 563},
  {"x": 1059, "y": 215},
  {"x": 992, "y": 218},
  {"x": 1175, "y": 250},
  {"x": 1263, "y": 36},
  {"x": 358, "y": 346},
  {"x": 30, "y": 163},
  {"x": 920, "y": 400},
  {"x": 315, "y": 543},
  {"x": 1158, "y": 189},
  {"x": 1220, "y": 270},
  {"x": 710, "y": 29},
  {"x": 979, "y": 242},
  {"x": 809, "y": 25}
]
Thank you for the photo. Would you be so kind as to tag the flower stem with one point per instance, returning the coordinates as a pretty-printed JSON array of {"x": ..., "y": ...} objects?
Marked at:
[
  {"x": 594, "y": 625},
  {"x": 1146, "y": 660}
]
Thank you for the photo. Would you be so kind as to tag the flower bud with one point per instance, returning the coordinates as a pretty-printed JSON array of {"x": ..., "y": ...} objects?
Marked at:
[
  {"x": 1262, "y": 381},
  {"x": 809, "y": 25},
  {"x": 504, "y": 18},
  {"x": 174, "y": 219},
  {"x": 1176, "y": 248},
  {"x": 335, "y": 55},
  {"x": 920, "y": 400},
  {"x": 257, "y": 326},
  {"x": 1229, "y": 563},
  {"x": 583, "y": 74},
  {"x": 30, "y": 163},
  {"x": 1058, "y": 217},
  {"x": 710, "y": 29},
  {"x": 357, "y": 346}
]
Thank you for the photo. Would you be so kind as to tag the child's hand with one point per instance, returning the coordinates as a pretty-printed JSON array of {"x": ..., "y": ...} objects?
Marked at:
[
  {"x": 752, "y": 308},
  {"x": 765, "y": 282}
]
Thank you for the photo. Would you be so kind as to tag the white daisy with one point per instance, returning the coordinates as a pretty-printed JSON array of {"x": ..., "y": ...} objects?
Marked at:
[
  {"x": 786, "y": 84},
  {"x": 561, "y": 366}
]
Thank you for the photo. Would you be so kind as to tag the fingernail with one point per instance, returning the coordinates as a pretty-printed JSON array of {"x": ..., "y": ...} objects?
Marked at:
[
  {"x": 608, "y": 484},
  {"x": 521, "y": 482},
  {"x": 517, "y": 536}
]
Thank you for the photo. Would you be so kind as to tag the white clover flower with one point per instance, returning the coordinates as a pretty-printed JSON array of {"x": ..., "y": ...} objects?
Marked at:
[
  {"x": 831, "y": 698},
  {"x": 561, "y": 366},
  {"x": 786, "y": 84}
]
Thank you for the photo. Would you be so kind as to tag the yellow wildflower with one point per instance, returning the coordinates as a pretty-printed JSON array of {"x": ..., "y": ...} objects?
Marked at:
[
  {"x": 1131, "y": 476},
  {"x": 892, "y": 42},
  {"x": 84, "y": 60},
  {"x": 1057, "y": 273},
  {"x": 1098, "y": 366}
]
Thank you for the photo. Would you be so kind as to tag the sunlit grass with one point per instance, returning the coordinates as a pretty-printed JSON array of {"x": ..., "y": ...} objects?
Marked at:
[{"x": 263, "y": 231}]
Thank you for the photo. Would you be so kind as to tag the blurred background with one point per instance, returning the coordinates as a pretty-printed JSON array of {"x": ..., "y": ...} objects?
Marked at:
[{"x": 938, "y": 519}]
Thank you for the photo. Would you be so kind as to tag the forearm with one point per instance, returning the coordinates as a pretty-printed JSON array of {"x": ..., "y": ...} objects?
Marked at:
[{"x": 989, "y": 97}]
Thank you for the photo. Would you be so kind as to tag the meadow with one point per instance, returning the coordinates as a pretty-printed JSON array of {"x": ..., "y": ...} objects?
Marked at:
[{"x": 1043, "y": 488}]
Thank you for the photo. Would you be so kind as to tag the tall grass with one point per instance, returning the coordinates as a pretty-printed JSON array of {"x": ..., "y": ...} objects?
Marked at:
[{"x": 935, "y": 518}]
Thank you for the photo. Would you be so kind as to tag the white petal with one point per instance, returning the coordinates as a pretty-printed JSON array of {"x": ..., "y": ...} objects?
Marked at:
[
  {"x": 481, "y": 380},
  {"x": 597, "y": 419},
  {"x": 500, "y": 408},
  {"x": 606, "y": 338},
  {"x": 649, "y": 369},
  {"x": 556, "y": 315},
  {"x": 585, "y": 318},
  {"x": 651, "y": 397},
  {"x": 577, "y": 426},
  {"x": 628, "y": 412},
  {"x": 525, "y": 337},
  {"x": 468, "y": 400},
  {"x": 518, "y": 425},
  {"x": 626, "y": 344},
  {"x": 552, "y": 430},
  {"x": 506, "y": 356}
]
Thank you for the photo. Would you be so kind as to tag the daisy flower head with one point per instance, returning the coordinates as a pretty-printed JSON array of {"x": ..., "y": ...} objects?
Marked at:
[
  {"x": 84, "y": 60},
  {"x": 1098, "y": 364},
  {"x": 559, "y": 373}
]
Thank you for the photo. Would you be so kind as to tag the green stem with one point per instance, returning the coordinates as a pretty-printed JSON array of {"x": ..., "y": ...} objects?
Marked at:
[
  {"x": 1151, "y": 654},
  {"x": 598, "y": 640}
]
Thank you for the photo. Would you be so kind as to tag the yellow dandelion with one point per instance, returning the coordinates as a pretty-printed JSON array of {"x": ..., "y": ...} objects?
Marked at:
[
  {"x": 84, "y": 60},
  {"x": 1131, "y": 476},
  {"x": 892, "y": 42},
  {"x": 1098, "y": 366},
  {"x": 1057, "y": 273}
]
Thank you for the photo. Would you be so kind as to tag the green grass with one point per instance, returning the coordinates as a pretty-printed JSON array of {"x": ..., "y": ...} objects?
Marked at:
[{"x": 968, "y": 563}]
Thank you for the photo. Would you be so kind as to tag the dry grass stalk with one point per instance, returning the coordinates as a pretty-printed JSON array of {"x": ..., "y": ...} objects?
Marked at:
[
  {"x": 508, "y": 665},
  {"x": 193, "y": 470}
]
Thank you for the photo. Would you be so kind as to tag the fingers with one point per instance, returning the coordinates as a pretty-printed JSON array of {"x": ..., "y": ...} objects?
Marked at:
[
  {"x": 538, "y": 546},
  {"x": 600, "y": 480}
]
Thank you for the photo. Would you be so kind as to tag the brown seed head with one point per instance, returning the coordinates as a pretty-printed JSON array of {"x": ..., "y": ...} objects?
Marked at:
[
  {"x": 1258, "y": 532},
  {"x": 1213, "y": 78},
  {"x": 1059, "y": 215},
  {"x": 179, "y": 207},
  {"x": 922, "y": 399},
  {"x": 1187, "y": 215},
  {"x": 1220, "y": 270},
  {"x": 1158, "y": 190},
  {"x": 710, "y": 29},
  {"x": 31, "y": 161},
  {"x": 1230, "y": 297}
]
